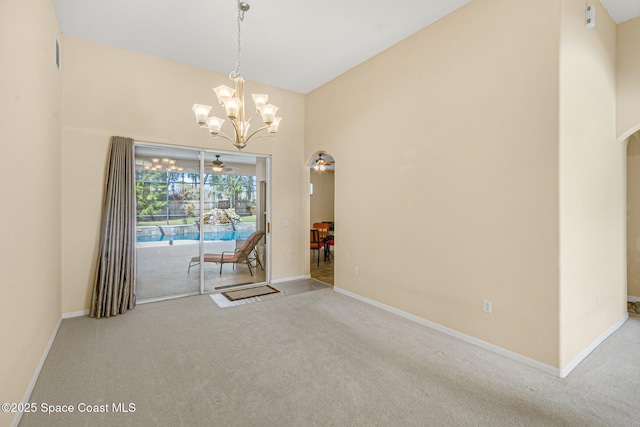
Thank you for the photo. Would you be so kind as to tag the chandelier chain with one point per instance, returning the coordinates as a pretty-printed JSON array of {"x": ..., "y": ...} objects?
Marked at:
[
  {"x": 242, "y": 8},
  {"x": 232, "y": 100}
]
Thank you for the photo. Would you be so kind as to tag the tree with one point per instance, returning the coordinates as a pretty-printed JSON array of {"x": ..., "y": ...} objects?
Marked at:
[{"x": 151, "y": 193}]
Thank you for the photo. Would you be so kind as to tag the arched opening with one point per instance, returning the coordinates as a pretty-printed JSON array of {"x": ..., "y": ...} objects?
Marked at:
[
  {"x": 321, "y": 216},
  {"x": 633, "y": 221}
]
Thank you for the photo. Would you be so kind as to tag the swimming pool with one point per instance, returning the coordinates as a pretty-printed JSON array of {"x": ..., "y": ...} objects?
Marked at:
[{"x": 208, "y": 236}]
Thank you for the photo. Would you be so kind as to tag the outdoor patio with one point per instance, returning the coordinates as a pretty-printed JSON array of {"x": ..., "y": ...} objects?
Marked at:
[{"x": 162, "y": 269}]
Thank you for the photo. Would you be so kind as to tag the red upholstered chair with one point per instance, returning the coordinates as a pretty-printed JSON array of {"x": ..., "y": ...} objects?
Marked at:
[
  {"x": 323, "y": 229},
  {"x": 323, "y": 232},
  {"x": 314, "y": 242},
  {"x": 327, "y": 249}
]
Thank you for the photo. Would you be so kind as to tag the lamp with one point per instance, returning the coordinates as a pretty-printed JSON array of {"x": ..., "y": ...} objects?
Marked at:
[{"x": 232, "y": 100}]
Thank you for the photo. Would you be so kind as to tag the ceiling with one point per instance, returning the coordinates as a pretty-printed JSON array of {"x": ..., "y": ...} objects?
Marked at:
[
  {"x": 621, "y": 10},
  {"x": 297, "y": 45}
]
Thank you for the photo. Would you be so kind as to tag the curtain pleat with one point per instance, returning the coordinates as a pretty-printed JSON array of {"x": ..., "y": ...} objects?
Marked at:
[{"x": 114, "y": 290}]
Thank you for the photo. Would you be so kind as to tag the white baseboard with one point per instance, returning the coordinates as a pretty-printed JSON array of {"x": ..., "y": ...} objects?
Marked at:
[
  {"x": 71, "y": 314},
  {"x": 289, "y": 279},
  {"x": 32, "y": 384},
  {"x": 575, "y": 362},
  {"x": 633, "y": 299},
  {"x": 452, "y": 332}
]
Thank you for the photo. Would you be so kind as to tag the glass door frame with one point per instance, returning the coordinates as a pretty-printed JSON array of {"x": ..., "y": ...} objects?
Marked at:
[{"x": 201, "y": 156}]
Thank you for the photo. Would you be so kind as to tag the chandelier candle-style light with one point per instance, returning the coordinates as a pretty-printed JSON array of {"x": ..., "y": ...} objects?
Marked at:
[
  {"x": 162, "y": 165},
  {"x": 232, "y": 100}
]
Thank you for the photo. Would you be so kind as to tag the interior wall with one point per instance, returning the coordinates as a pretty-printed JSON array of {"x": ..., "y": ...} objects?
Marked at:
[
  {"x": 628, "y": 122},
  {"x": 470, "y": 200},
  {"x": 628, "y": 77},
  {"x": 322, "y": 200},
  {"x": 30, "y": 87},
  {"x": 633, "y": 217},
  {"x": 592, "y": 183},
  {"x": 109, "y": 91}
]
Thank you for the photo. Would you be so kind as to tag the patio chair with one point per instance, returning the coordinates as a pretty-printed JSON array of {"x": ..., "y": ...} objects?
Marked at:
[{"x": 246, "y": 253}]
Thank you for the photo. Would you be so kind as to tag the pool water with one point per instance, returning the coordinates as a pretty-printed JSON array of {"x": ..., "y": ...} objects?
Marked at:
[{"x": 208, "y": 236}]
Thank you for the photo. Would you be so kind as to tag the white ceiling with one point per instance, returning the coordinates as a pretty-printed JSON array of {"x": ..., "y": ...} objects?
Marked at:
[
  {"x": 621, "y": 10},
  {"x": 296, "y": 45}
]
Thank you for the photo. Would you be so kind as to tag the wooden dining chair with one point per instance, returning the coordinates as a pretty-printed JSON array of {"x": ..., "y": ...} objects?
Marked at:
[
  {"x": 323, "y": 229},
  {"x": 315, "y": 243},
  {"x": 323, "y": 233},
  {"x": 328, "y": 243}
]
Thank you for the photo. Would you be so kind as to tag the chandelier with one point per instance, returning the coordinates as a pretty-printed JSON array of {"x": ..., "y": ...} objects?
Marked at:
[
  {"x": 162, "y": 165},
  {"x": 232, "y": 100}
]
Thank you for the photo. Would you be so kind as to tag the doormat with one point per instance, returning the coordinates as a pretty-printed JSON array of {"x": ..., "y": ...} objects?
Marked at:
[
  {"x": 257, "y": 291},
  {"x": 235, "y": 285}
]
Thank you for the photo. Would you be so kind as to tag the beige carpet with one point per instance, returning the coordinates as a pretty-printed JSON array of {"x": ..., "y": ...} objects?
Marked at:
[{"x": 317, "y": 359}]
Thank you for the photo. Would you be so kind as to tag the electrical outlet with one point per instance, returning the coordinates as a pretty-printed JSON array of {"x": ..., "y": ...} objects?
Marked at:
[
  {"x": 597, "y": 302},
  {"x": 356, "y": 271},
  {"x": 287, "y": 258},
  {"x": 488, "y": 306}
]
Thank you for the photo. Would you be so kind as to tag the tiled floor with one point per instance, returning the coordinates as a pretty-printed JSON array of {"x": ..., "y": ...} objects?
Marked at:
[
  {"x": 285, "y": 288},
  {"x": 323, "y": 272}
]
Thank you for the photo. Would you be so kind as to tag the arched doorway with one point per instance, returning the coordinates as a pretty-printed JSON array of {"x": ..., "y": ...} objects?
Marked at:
[
  {"x": 633, "y": 222},
  {"x": 322, "y": 211}
]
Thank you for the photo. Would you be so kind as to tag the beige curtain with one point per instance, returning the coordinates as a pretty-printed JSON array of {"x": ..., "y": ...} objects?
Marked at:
[{"x": 114, "y": 291}]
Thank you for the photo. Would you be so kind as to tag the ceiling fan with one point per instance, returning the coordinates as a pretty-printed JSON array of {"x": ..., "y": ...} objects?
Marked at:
[
  {"x": 218, "y": 165},
  {"x": 321, "y": 164}
]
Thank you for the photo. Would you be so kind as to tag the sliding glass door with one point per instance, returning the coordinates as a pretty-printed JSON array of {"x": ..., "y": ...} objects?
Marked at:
[
  {"x": 194, "y": 209},
  {"x": 230, "y": 206}
]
